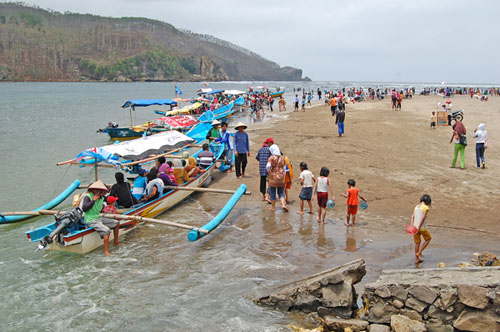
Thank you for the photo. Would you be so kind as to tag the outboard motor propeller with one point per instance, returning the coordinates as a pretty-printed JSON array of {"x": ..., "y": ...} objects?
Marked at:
[{"x": 62, "y": 223}]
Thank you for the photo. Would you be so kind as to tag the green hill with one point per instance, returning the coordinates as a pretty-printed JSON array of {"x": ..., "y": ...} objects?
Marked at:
[{"x": 42, "y": 45}]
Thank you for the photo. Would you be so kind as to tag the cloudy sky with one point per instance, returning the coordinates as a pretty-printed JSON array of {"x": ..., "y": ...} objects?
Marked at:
[{"x": 356, "y": 40}]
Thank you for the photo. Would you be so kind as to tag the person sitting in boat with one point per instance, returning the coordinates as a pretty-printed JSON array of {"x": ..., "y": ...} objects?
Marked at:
[
  {"x": 205, "y": 157},
  {"x": 191, "y": 170},
  {"x": 160, "y": 161},
  {"x": 213, "y": 133},
  {"x": 112, "y": 124},
  {"x": 163, "y": 175},
  {"x": 154, "y": 188},
  {"x": 121, "y": 189},
  {"x": 92, "y": 205},
  {"x": 110, "y": 206},
  {"x": 140, "y": 183}
]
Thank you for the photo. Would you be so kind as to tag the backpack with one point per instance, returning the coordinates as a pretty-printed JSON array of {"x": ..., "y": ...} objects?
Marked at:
[{"x": 277, "y": 171}]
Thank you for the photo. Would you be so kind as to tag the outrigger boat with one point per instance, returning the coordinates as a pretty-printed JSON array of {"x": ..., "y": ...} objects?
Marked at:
[
  {"x": 169, "y": 144},
  {"x": 277, "y": 94},
  {"x": 131, "y": 132},
  {"x": 181, "y": 123}
]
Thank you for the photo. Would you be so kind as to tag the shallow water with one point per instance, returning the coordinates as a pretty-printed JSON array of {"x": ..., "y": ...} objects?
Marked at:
[{"x": 157, "y": 280}]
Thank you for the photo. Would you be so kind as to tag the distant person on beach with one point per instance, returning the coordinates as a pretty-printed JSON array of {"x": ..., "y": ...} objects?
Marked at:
[
  {"x": 281, "y": 104},
  {"x": 322, "y": 186},
  {"x": 307, "y": 181},
  {"x": 400, "y": 96},
  {"x": 433, "y": 120},
  {"x": 303, "y": 103},
  {"x": 333, "y": 105},
  {"x": 319, "y": 94},
  {"x": 481, "y": 144},
  {"x": 394, "y": 100},
  {"x": 276, "y": 170},
  {"x": 271, "y": 102},
  {"x": 262, "y": 157},
  {"x": 296, "y": 103},
  {"x": 352, "y": 196},
  {"x": 241, "y": 149},
  {"x": 418, "y": 220},
  {"x": 459, "y": 137},
  {"x": 339, "y": 120}
]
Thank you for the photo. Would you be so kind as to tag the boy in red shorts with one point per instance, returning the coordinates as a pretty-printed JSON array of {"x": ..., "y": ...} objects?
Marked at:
[{"x": 352, "y": 195}]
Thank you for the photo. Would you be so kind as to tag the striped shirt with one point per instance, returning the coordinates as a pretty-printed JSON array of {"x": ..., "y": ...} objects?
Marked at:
[{"x": 205, "y": 159}]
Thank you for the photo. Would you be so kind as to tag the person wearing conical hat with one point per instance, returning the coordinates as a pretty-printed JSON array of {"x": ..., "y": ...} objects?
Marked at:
[
  {"x": 241, "y": 149},
  {"x": 92, "y": 205},
  {"x": 213, "y": 133}
]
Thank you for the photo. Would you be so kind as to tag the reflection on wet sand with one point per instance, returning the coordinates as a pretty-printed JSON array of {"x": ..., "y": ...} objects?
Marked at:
[{"x": 350, "y": 241}]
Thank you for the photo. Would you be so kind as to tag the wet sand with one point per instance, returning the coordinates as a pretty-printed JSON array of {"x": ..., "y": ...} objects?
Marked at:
[{"x": 395, "y": 158}]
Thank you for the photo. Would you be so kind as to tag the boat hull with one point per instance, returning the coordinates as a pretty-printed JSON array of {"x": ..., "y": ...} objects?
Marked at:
[
  {"x": 277, "y": 94},
  {"x": 86, "y": 240}
]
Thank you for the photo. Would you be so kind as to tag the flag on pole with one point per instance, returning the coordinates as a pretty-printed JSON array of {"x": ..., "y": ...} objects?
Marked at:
[{"x": 178, "y": 91}]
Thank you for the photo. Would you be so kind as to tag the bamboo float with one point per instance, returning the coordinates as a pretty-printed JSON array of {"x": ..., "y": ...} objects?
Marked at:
[
  {"x": 112, "y": 216},
  {"x": 210, "y": 190}
]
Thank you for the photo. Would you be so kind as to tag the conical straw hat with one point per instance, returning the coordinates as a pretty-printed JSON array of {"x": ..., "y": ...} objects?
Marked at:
[
  {"x": 240, "y": 124},
  {"x": 98, "y": 185}
]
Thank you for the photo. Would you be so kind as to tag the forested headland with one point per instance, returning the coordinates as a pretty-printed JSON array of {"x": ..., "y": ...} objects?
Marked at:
[{"x": 43, "y": 45}]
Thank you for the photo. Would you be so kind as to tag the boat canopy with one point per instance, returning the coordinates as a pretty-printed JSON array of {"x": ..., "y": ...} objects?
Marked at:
[
  {"x": 208, "y": 91},
  {"x": 204, "y": 90},
  {"x": 184, "y": 110},
  {"x": 137, "y": 149},
  {"x": 148, "y": 102},
  {"x": 234, "y": 92},
  {"x": 177, "y": 122},
  {"x": 215, "y": 92}
]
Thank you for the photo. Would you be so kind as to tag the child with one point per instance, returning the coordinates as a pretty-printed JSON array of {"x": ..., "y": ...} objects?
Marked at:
[
  {"x": 304, "y": 103},
  {"x": 433, "y": 120},
  {"x": 321, "y": 186},
  {"x": 418, "y": 219},
  {"x": 110, "y": 205},
  {"x": 352, "y": 195},
  {"x": 306, "y": 181}
]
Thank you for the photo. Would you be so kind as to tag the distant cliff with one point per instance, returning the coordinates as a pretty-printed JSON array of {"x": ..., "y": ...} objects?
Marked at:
[{"x": 41, "y": 45}]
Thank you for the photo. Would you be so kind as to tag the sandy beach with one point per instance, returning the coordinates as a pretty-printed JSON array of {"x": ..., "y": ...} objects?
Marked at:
[{"x": 395, "y": 158}]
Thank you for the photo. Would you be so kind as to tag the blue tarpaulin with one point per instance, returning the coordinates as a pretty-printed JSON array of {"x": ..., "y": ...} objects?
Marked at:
[{"x": 148, "y": 102}]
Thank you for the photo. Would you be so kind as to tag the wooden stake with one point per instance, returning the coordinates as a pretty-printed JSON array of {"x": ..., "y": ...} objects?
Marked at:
[{"x": 112, "y": 216}]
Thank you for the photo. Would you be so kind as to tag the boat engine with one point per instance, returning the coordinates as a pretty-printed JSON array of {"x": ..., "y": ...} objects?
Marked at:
[{"x": 64, "y": 224}]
